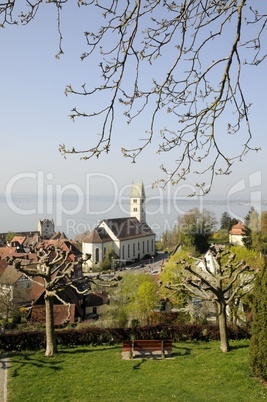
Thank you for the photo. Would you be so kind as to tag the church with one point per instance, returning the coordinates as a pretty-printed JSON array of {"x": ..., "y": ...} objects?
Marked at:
[{"x": 131, "y": 238}]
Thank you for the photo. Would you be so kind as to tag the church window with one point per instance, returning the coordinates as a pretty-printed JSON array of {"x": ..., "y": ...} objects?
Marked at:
[
  {"x": 97, "y": 255},
  {"x": 134, "y": 250},
  {"x": 135, "y": 200},
  {"x": 128, "y": 250}
]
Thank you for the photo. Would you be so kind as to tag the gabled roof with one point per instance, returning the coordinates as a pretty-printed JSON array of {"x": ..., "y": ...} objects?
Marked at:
[
  {"x": 98, "y": 235},
  {"x": 18, "y": 239},
  {"x": 3, "y": 266},
  {"x": 14, "y": 252},
  {"x": 238, "y": 229},
  {"x": 7, "y": 251},
  {"x": 10, "y": 276},
  {"x": 58, "y": 236},
  {"x": 96, "y": 299},
  {"x": 126, "y": 228}
]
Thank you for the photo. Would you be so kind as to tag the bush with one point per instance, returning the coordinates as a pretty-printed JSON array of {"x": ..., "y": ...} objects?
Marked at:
[
  {"x": 35, "y": 340},
  {"x": 258, "y": 345}
]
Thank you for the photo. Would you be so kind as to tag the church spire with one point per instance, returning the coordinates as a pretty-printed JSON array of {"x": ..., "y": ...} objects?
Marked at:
[{"x": 137, "y": 202}]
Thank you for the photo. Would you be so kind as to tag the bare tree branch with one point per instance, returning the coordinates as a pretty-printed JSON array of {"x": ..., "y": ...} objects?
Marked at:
[{"x": 178, "y": 66}]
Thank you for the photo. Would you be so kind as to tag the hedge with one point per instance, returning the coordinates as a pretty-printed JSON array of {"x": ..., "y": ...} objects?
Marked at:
[{"x": 35, "y": 340}]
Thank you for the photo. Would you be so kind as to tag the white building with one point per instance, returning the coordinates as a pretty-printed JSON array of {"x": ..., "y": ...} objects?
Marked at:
[
  {"x": 236, "y": 234},
  {"x": 131, "y": 238}
]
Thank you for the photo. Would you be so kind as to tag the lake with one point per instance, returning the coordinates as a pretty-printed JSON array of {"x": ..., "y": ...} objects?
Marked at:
[{"x": 73, "y": 215}]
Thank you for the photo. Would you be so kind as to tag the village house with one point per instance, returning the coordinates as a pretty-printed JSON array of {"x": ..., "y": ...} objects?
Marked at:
[
  {"x": 131, "y": 238},
  {"x": 236, "y": 234},
  {"x": 96, "y": 304},
  {"x": 15, "y": 290}
]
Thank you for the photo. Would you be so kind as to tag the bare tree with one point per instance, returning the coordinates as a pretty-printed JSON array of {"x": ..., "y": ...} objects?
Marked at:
[
  {"x": 177, "y": 62},
  {"x": 57, "y": 273},
  {"x": 219, "y": 280}
]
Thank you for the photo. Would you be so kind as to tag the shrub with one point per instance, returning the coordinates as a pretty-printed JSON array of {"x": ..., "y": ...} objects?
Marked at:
[
  {"x": 35, "y": 340},
  {"x": 258, "y": 345}
]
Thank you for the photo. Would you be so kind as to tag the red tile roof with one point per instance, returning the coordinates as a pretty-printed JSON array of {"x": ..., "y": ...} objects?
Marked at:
[{"x": 238, "y": 229}]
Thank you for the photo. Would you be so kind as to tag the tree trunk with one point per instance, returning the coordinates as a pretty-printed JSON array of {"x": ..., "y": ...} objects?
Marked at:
[
  {"x": 223, "y": 329},
  {"x": 51, "y": 347}
]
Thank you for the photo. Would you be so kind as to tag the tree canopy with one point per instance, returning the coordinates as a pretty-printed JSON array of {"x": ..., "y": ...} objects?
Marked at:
[
  {"x": 135, "y": 298},
  {"x": 176, "y": 66},
  {"x": 255, "y": 232}
]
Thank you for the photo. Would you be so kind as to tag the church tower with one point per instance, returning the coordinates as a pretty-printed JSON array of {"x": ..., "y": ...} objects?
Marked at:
[{"x": 137, "y": 202}]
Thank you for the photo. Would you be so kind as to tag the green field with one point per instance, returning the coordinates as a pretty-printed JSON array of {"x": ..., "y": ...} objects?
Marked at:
[{"x": 197, "y": 372}]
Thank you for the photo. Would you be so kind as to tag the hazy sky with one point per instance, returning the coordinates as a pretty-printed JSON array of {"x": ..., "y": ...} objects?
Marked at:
[{"x": 34, "y": 117}]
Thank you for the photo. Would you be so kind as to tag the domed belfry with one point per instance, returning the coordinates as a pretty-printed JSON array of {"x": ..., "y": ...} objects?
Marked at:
[{"x": 137, "y": 202}]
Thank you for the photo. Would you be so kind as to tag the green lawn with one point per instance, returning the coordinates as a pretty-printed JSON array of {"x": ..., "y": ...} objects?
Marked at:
[{"x": 197, "y": 372}]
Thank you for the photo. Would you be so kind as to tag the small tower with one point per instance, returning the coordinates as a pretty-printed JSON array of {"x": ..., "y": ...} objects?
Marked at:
[
  {"x": 137, "y": 202},
  {"x": 46, "y": 228}
]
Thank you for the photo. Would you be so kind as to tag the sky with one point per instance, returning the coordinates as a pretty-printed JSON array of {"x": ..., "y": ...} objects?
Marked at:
[{"x": 34, "y": 120}]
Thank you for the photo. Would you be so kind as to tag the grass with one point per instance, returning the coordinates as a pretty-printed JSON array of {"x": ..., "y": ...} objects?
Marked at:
[{"x": 197, "y": 372}]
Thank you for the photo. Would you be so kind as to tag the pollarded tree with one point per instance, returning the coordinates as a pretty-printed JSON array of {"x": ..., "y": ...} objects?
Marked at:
[
  {"x": 218, "y": 278},
  {"x": 55, "y": 272},
  {"x": 180, "y": 62}
]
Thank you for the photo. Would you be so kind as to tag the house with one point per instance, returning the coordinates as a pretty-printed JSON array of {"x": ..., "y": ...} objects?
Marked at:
[
  {"x": 236, "y": 234},
  {"x": 20, "y": 291},
  {"x": 15, "y": 289},
  {"x": 96, "y": 304},
  {"x": 131, "y": 237}
]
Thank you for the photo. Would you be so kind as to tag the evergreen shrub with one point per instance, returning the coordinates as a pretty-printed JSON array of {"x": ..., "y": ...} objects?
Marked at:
[{"x": 258, "y": 344}]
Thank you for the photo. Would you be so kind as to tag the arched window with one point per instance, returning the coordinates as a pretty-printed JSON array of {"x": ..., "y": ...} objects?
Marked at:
[{"x": 97, "y": 255}]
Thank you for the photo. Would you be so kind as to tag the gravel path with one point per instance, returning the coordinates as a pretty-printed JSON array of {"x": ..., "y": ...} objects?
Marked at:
[{"x": 3, "y": 378}]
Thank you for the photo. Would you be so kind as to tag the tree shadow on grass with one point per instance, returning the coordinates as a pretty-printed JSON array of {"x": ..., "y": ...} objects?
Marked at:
[
  {"x": 236, "y": 347},
  {"x": 53, "y": 362},
  {"x": 28, "y": 360},
  {"x": 89, "y": 349},
  {"x": 180, "y": 351}
]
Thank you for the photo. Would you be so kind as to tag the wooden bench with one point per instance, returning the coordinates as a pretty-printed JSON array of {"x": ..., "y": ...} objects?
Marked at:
[{"x": 148, "y": 348}]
